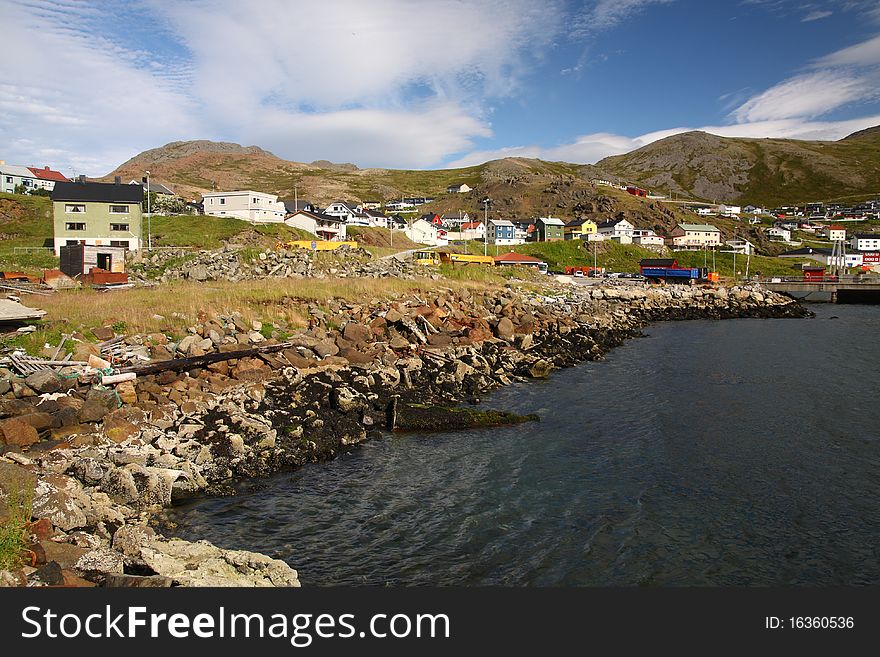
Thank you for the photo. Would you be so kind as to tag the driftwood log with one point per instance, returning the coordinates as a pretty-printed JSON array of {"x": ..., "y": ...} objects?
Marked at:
[{"x": 177, "y": 364}]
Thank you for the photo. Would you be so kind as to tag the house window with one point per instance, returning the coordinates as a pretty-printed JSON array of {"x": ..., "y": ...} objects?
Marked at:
[
  {"x": 70, "y": 225},
  {"x": 74, "y": 208},
  {"x": 222, "y": 201},
  {"x": 118, "y": 209},
  {"x": 119, "y": 227},
  {"x": 120, "y": 243},
  {"x": 71, "y": 242},
  {"x": 9, "y": 179}
]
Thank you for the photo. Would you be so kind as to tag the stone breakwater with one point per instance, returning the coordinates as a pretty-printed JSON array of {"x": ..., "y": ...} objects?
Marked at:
[
  {"x": 101, "y": 471},
  {"x": 236, "y": 263}
]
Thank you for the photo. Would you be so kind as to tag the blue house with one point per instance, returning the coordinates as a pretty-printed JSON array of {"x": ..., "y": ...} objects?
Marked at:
[{"x": 502, "y": 231}]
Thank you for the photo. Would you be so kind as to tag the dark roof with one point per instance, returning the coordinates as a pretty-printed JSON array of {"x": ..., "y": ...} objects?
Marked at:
[
  {"x": 155, "y": 187},
  {"x": 807, "y": 250},
  {"x": 293, "y": 206},
  {"x": 609, "y": 224},
  {"x": 94, "y": 191},
  {"x": 320, "y": 216},
  {"x": 867, "y": 236},
  {"x": 657, "y": 262}
]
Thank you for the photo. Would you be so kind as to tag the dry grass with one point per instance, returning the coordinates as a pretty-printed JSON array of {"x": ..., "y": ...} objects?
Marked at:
[{"x": 280, "y": 302}]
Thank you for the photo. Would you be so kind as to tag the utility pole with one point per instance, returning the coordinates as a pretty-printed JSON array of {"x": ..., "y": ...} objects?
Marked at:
[
  {"x": 149, "y": 217},
  {"x": 486, "y": 226}
]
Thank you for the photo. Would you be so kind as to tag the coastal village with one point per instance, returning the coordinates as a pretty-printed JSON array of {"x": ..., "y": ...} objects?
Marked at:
[{"x": 134, "y": 376}]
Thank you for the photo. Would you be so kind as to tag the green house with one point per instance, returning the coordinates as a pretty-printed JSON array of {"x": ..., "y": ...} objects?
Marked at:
[
  {"x": 97, "y": 214},
  {"x": 550, "y": 229}
]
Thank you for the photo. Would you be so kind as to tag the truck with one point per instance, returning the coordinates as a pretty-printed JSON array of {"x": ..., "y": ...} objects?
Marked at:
[{"x": 658, "y": 270}]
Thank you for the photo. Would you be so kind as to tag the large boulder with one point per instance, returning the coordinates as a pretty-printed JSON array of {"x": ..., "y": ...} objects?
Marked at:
[
  {"x": 16, "y": 432},
  {"x": 44, "y": 381},
  {"x": 62, "y": 500}
]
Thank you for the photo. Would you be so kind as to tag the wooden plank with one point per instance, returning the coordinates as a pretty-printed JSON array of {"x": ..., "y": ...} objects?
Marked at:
[{"x": 177, "y": 364}]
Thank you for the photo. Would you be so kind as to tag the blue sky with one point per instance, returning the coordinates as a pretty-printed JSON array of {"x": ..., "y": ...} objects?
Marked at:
[{"x": 436, "y": 83}]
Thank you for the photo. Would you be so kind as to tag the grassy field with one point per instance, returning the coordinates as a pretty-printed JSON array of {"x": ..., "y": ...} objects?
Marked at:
[
  {"x": 380, "y": 241},
  {"x": 26, "y": 221},
  {"x": 208, "y": 232},
  {"x": 172, "y": 307}
]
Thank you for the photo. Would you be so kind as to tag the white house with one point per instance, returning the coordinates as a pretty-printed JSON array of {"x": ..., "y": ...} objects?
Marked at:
[
  {"x": 739, "y": 245},
  {"x": 835, "y": 233},
  {"x": 866, "y": 242},
  {"x": 473, "y": 230},
  {"x": 352, "y": 214},
  {"x": 424, "y": 232},
  {"x": 376, "y": 218},
  {"x": 703, "y": 211},
  {"x": 619, "y": 230},
  {"x": 729, "y": 210},
  {"x": 454, "y": 221},
  {"x": 463, "y": 188},
  {"x": 255, "y": 207},
  {"x": 321, "y": 225},
  {"x": 12, "y": 175},
  {"x": 695, "y": 236},
  {"x": 778, "y": 234},
  {"x": 647, "y": 238}
]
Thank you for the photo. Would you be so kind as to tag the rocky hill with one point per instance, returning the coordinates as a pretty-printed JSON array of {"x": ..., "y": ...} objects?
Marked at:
[
  {"x": 519, "y": 188},
  {"x": 696, "y": 165},
  {"x": 760, "y": 171}
]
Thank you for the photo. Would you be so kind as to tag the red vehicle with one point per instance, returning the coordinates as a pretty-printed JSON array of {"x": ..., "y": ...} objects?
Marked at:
[{"x": 586, "y": 271}]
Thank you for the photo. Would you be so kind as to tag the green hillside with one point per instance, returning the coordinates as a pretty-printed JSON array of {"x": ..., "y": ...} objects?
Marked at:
[{"x": 759, "y": 171}]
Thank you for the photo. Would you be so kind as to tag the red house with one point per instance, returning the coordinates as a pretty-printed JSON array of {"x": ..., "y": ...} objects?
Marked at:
[{"x": 637, "y": 191}]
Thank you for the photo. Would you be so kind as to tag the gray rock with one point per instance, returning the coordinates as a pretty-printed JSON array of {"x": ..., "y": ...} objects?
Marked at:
[{"x": 44, "y": 381}]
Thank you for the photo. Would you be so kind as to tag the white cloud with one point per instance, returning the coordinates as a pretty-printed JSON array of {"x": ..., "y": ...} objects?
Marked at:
[
  {"x": 605, "y": 14},
  {"x": 816, "y": 15},
  {"x": 808, "y": 95},
  {"x": 80, "y": 107},
  {"x": 589, "y": 149},
  {"x": 370, "y": 137},
  {"x": 866, "y": 53}
]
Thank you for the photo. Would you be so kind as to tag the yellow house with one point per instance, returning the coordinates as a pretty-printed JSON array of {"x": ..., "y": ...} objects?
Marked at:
[{"x": 580, "y": 229}]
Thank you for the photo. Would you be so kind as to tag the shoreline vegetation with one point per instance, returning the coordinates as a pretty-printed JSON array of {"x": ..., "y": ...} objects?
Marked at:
[{"x": 349, "y": 359}]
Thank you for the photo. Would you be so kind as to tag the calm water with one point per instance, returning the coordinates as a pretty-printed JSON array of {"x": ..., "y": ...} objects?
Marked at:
[{"x": 742, "y": 452}]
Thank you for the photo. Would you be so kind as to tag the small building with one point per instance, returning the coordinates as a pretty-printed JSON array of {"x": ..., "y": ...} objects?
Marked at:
[
  {"x": 248, "y": 205},
  {"x": 618, "y": 230},
  {"x": 509, "y": 259},
  {"x": 46, "y": 178},
  {"x": 78, "y": 260},
  {"x": 739, "y": 245},
  {"x": 453, "y": 221},
  {"x": 295, "y": 205},
  {"x": 822, "y": 256},
  {"x": 156, "y": 187},
  {"x": 549, "y": 229},
  {"x": 375, "y": 218},
  {"x": 636, "y": 191},
  {"x": 473, "y": 230},
  {"x": 371, "y": 205},
  {"x": 779, "y": 234},
  {"x": 865, "y": 241},
  {"x": 12, "y": 176},
  {"x": 835, "y": 233},
  {"x": 647, "y": 238},
  {"x": 322, "y": 225},
  {"x": 503, "y": 232},
  {"x": 461, "y": 188},
  {"x": 423, "y": 232},
  {"x": 351, "y": 213},
  {"x": 695, "y": 236},
  {"x": 732, "y": 211},
  {"x": 579, "y": 229},
  {"x": 96, "y": 214}
]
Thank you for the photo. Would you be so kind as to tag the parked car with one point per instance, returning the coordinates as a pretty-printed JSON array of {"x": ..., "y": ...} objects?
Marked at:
[{"x": 579, "y": 274}]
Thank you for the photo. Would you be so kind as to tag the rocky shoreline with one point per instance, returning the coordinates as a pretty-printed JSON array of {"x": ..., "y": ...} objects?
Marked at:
[{"x": 102, "y": 462}]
